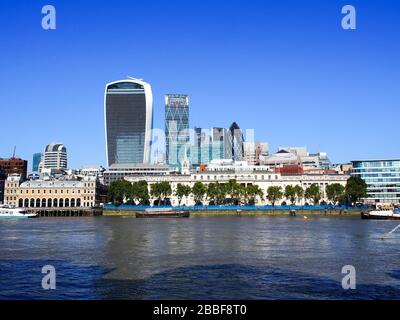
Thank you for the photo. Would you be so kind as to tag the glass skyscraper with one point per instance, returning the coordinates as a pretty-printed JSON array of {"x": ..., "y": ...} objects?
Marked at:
[
  {"x": 235, "y": 142},
  {"x": 176, "y": 128},
  {"x": 36, "y": 159},
  {"x": 128, "y": 113},
  {"x": 382, "y": 178}
]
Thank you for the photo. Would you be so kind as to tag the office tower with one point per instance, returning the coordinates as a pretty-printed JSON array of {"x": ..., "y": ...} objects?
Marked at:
[
  {"x": 55, "y": 157},
  {"x": 128, "y": 114},
  {"x": 201, "y": 151},
  {"x": 176, "y": 128},
  {"x": 36, "y": 159},
  {"x": 253, "y": 153},
  {"x": 220, "y": 145},
  {"x": 235, "y": 142}
]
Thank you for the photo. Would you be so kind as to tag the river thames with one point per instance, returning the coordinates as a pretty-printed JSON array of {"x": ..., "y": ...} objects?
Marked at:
[{"x": 199, "y": 258}]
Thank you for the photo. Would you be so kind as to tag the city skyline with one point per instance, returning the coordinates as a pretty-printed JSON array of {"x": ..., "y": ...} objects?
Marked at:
[{"x": 310, "y": 86}]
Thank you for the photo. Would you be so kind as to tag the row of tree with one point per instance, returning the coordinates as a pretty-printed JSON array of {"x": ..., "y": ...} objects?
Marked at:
[{"x": 233, "y": 192}]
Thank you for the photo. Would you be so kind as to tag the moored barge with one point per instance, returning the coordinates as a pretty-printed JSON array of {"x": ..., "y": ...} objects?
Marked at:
[{"x": 163, "y": 213}]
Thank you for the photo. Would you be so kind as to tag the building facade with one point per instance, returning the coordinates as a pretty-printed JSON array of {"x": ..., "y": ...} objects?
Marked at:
[
  {"x": 121, "y": 171},
  {"x": 36, "y": 160},
  {"x": 128, "y": 116},
  {"x": 235, "y": 142},
  {"x": 55, "y": 157},
  {"x": 382, "y": 178},
  {"x": 222, "y": 171},
  {"x": 14, "y": 165},
  {"x": 176, "y": 128},
  {"x": 87, "y": 192}
]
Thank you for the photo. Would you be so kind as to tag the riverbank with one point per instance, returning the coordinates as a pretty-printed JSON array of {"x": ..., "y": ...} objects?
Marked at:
[{"x": 204, "y": 213}]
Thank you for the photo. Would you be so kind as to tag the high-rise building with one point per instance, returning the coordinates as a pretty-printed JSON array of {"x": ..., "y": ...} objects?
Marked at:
[
  {"x": 176, "y": 128},
  {"x": 220, "y": 144},
  {"x": 235, "y": 142},
  {"x": 11, "y": 166},
  {"x": 254, "y": 152},
  {"x": 382, "y": 177},
  {"x": 201, "y": 151},
  {"x": 128, "y": 113},
  {"x": 55, "y": 157},
  {"x": 36, "y": 159}
]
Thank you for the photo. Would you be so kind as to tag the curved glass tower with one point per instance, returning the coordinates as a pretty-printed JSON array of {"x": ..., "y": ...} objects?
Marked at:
[{"x": 128, "y": 116}]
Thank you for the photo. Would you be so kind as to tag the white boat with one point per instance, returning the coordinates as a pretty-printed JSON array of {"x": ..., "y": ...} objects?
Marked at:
[
  {"x": 15, "y": 213},
  {"x": 384, "y": 212}
]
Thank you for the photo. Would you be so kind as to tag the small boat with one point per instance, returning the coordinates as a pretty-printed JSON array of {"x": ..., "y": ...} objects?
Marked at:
[
  {"x": 382, "y": 213},
  {"x": 15, "y": 213},
  {"x": 163, "y": 213}
]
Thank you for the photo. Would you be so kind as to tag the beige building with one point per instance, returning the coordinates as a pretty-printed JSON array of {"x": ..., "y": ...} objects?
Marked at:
[
  {"x": 52, "y": 193},
  {"x": 245, "y": 174}
]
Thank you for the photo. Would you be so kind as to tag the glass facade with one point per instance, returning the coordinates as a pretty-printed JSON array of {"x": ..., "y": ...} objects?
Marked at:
[
  {"x": 128, "y": 116},
  {"x": 36, "y": 159},
  {"x": 382, "y": 178},
  {"x": 176, "y": 128},
  {"x": 236, "y": 142}
]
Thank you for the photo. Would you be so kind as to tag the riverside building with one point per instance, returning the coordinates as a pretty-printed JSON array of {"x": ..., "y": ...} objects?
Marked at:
[
  {"x": 53, "y": 193},
  {"x": 222, "y": 171},
  {"x": 382, "y": 177}
]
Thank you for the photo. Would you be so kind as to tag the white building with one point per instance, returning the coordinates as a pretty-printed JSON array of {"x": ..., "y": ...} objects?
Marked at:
[
  {"x": 222, "y": 171},
  {"x": 54, "y": 157}
]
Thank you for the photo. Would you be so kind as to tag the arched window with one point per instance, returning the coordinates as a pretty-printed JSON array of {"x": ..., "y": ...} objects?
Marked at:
[
  {"x": 37, "y": 203},
  {"x": 20, "y": 203},
  {"x": 78, "y": 202},
  {"x": 66, "y": 203},
  {"x": 49, "y": 203},
  {"x": 32, "y": 203},
  {"x": 55, "y": 203},
  {"x": 26, "y": 203},
  {"x": 61, "y": 203},
  {"x": 72, "y": 202},
  {"x": 43, "y": 203}
]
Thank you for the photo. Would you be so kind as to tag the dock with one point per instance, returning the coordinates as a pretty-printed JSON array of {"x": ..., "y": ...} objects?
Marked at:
[{"x": 66, "y": 212}]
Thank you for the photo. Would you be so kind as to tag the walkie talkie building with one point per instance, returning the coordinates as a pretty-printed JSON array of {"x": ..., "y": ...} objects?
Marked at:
[{"x": 128, "y": 115}]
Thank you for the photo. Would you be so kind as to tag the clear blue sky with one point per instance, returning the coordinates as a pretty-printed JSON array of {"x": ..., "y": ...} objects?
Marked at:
[{"x": 285, "y": 68}]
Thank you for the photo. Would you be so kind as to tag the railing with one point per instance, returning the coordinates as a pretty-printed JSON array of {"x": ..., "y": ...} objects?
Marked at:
[{"x": 234, "y": 208}]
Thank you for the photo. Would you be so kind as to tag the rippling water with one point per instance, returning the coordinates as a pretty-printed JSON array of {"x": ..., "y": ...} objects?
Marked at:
[{"x": 198, "y": 258}]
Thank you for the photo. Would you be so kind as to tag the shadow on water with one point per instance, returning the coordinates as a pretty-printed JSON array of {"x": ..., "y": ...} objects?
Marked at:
[{"x": 21, "y": 279}]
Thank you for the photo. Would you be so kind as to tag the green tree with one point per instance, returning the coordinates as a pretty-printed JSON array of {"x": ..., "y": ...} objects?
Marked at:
[
  {"x": 290, "y": 193},
  {"x": 313, "y": 192},
  {"x": 119, "y": 191},
  {"x": 233, "y": 189},
  {"x": 161, "y": 190},
  {"x": 198, "y": 191},
  {"x": 213, "y": 190},
  {"x": 356, "y": 189},
  {"x": 140, "y": 192},
  {"x": 274, "y": 194},
  {"x": 299, "y": 191},
  {"x": 334, "y": 192},
  {"x": 182, "y": 191},
  {"x": 252, "y": 192}
]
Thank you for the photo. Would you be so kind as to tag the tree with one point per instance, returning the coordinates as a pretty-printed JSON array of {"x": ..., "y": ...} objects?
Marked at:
[
  {"x": 356, "y": 189},
  {"x": 140, "y": 192},
  {"x": 334, "y": 192},
  {"x": 274, "y": 194},
  {"x": 198, "y": 191},
  {"x": 299, "y": 191},
  {"x": 119, "y": 191},
  {"x": 290, "y": 193},
  {"x": 212, "y": 192},
  {"x": 252, "y": 191},
  {"x": 313, "y": 192},
  {"x": 161, "y": 190},
  {"x": 233, "y": 189},
  {"x": 182, "y": 191}
]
